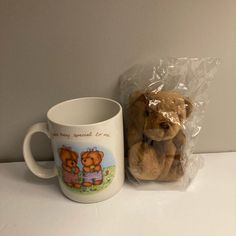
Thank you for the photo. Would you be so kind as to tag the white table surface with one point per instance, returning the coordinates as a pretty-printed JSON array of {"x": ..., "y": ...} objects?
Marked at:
[{"x": 33, "y": 206}]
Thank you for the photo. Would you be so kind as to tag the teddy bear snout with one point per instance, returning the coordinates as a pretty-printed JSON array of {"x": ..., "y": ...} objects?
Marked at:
[
  {"x": 163, "y": 130},
  {"x": 87, "y": 161},
  {"x": 164, "y": 125},
  {"x": 71, "y": 163}
]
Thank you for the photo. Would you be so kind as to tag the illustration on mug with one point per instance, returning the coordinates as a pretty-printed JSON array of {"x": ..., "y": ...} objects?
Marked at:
[
  {"x": 70, "y": 167},
  {"x": 86, "y": 169},
  {"x": 92, "y": 169}
]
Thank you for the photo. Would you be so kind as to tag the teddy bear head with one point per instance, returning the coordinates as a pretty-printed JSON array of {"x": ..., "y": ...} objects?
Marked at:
[
  {"x": 91, "y": 158},
  {"x": 68, "y": 157},
  {"x": 159, "y": 115}
]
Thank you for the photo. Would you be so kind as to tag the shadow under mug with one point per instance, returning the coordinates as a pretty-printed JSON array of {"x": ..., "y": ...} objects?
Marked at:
[{"x": 87, "y": 142}]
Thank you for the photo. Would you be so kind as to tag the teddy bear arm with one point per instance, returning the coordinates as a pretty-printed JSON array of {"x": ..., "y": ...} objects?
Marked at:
[
  {"x": 76, "y": 170},
  {"x": 176, "y": 171},
  {"x": 98, "y": 168},
  {"x": 67, "y": 168},
  {"x": 86, "y": 169},
  {"x": 180, "y": 139}
]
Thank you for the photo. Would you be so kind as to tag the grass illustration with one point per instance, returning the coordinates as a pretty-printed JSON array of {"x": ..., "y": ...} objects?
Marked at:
[{"x": 108, "y": 175}]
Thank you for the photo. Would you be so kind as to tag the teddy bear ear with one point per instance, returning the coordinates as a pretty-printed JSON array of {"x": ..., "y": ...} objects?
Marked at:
[
  {"x": 137, "y": 96},
  {"x": 188, "y": 106},
  {"x": 74, "y": 155},
  {"x": 62, "y": 154},
  {"x": 84, "y": 153},
  {"x": 101, "y": 154},
  {"x": 81, "y": 154}
]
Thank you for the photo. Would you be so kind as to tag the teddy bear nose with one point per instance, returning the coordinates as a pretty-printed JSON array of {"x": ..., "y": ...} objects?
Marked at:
[{"x": 164, "y": 125}]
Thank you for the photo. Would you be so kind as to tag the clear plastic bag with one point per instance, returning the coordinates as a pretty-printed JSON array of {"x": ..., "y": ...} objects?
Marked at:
[{"x": 164, "y": 104}]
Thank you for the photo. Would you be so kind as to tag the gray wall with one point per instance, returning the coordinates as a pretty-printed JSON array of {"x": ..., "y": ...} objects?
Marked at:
[{"x": 56, "y": 50}]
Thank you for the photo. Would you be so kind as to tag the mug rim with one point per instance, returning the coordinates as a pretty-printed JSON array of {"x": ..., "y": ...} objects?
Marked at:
[{"x": 84, "y": 98}]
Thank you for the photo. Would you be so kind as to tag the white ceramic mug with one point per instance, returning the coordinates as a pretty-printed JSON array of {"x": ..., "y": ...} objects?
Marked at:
[{"x": 87, "y": 142}]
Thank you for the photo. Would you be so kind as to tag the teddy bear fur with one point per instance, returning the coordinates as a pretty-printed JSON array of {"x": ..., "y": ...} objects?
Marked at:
[
  {"x": 155, "y": 135},
  {"x": 92, "y": 169},
  {"x": 70, "y": 167}
]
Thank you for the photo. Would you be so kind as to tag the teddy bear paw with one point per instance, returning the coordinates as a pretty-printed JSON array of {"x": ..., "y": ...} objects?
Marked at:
[
  {"x": 87, "y": 184},
  {"x": 97, "y": 182}
]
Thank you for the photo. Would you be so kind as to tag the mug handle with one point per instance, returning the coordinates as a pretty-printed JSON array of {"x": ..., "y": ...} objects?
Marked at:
[{"x": 38, "y": 170}]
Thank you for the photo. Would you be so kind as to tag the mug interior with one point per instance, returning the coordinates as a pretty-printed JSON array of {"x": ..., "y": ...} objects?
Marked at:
[{"x": 84, "y": 111}]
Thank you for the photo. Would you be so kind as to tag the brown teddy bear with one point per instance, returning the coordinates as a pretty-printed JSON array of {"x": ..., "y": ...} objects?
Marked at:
[
  {"x": 70, "y": 167},
  {"x": 92, "y": 170},
  {"x": 155, "y": 135}
]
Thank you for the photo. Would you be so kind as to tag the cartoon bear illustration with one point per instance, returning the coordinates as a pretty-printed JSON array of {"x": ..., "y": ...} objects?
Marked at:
[
  {"x": 70, "y": 167},
  {"x": 92, "y": 170}
]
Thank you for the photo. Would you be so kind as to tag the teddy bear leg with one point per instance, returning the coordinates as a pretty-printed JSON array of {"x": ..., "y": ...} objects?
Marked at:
[
  {"x": 76, "y": 185},
  {"x": 176, "y": 171},
  {"x": 144, "y": 162},
  {"x": 67, "y": 181},
  {"x": 98, "y": 178},
  {"x": 87, "y": 179},
  {"x": 169, "y": 152}
]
